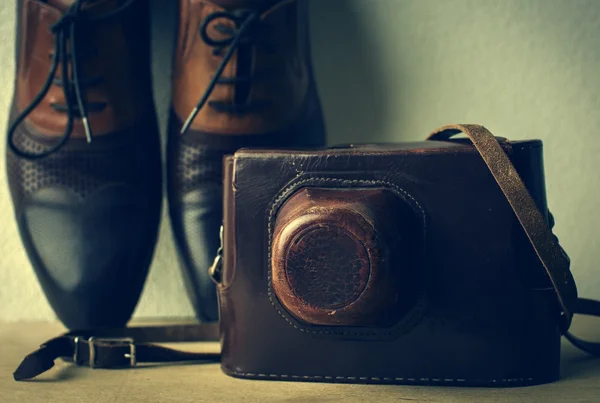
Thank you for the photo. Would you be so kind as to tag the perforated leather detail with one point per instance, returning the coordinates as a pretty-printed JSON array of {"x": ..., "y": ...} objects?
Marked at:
[
  {"x": 78, "y": 166},
  {"x": 196, "y": 164}
]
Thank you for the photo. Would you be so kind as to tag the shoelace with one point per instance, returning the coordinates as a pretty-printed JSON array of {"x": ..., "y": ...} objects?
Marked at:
[
  {"x": 247, "y": 22},
  {"x": 65, "y": 35}
]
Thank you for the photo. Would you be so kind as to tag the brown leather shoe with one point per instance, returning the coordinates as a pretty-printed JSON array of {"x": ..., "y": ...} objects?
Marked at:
[
  {"x": 242, "y": 77},
  {"x": 83, "y": 155}
]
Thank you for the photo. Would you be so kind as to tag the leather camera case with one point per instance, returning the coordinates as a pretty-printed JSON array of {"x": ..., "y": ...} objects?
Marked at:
[{"x": 399, "y": 263}]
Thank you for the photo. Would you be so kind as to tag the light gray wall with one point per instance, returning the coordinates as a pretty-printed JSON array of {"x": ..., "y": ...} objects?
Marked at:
[{"x": 393, "y": 70}]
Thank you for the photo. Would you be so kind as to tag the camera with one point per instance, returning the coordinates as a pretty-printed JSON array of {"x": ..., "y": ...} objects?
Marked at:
[{"x": 384, "y": 263}]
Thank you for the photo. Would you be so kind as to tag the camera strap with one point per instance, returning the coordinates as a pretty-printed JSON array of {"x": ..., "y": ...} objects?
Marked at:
[
  {"x": 126, "y": 347},
  {"x": 545, "y": 244}
]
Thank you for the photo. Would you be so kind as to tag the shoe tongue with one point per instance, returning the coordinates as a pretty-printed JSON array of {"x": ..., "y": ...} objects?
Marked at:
[{"x": 245, "y": 4}]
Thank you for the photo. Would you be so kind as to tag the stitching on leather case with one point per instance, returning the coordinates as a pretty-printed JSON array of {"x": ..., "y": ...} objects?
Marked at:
[
  {"x": 375, "y": 378},
  {"x": 397, "y": 328}
]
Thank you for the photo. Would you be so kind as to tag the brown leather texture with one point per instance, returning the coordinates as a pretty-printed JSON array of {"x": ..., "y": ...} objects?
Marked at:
[
  {"x": 335, "y": 258},
  {"x": 552, "y": 256},
  {"x": 484, "y": 313},
  {"x": 279, "y": 72},
  {"x": 107, "y": 54},
  {"x": 121, "y": 153}
]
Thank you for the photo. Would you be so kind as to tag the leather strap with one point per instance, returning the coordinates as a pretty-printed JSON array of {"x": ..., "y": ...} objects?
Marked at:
[
  {"x": 117, "y": 348},
  {"x": 551, "y": 254}
]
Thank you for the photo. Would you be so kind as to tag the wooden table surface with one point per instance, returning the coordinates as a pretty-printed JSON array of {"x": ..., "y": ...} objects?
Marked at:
[{"x": 206, "y": 383}]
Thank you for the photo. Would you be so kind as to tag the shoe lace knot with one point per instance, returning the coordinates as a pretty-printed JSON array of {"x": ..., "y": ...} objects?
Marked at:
[{"x": 248, "y": 30}]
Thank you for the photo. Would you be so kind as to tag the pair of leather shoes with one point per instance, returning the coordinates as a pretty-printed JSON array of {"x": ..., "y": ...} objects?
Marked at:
[{"x": 84, "y": 156}]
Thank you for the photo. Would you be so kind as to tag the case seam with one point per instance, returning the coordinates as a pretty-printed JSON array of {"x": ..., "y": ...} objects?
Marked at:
[
  {"x": 270, "y": 236},
  {"x": 376, "y": 378}
]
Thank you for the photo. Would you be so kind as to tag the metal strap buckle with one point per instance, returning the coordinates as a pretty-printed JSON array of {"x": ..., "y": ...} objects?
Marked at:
[
  {"x": 115, "y": 341},
  {"x": 216, "y": 269}
]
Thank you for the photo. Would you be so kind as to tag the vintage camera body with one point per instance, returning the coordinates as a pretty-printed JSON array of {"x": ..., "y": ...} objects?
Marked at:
[{"x": 399, "y": 263}]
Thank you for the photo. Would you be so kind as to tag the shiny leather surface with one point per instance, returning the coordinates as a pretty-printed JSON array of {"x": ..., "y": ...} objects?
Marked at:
[
  {"x": 194, "y": 159},
  {"x": 484, "y": 316},
  {"x": 91, "y": 255},
  {"x": 88, "y": 214}
]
